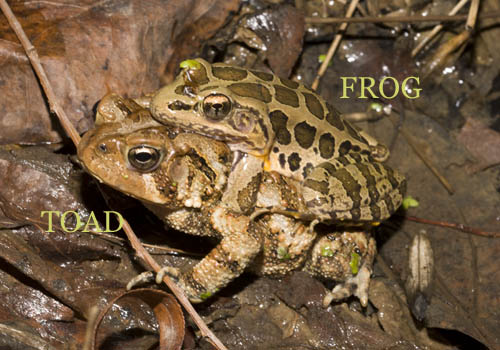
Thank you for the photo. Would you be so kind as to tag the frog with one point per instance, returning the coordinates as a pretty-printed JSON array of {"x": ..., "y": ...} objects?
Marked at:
[
  {"x": 278, "y": 125},
  {"x": 183, "y": 178}
]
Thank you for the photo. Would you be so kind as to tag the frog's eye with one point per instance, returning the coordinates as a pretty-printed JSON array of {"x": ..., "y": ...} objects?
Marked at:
[
  {"x": 144, "y": 158},
  {"x": 216, "y": 106}
]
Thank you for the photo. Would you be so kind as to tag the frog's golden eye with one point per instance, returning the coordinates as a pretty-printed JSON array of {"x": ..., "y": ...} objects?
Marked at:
[
  {"x": 216, "y": 106},
  {"x": 144, "y": 158}
]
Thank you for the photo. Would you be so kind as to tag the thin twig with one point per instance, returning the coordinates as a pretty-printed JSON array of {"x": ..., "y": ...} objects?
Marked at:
[
  {"x": 400, "y": 19},
  {"x": 334, "y": 45},
  {"x": 438, "y": 28},
  {"x": 459, "y": 227},
  {"x": 70, "y": 130},
  {"x": 472, "y": 16}
]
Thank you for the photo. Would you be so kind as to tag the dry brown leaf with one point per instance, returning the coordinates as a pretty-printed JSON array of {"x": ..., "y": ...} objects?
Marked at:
[
  {"x": 166, "y": 309},
  {"x": 90, "y": 48}
]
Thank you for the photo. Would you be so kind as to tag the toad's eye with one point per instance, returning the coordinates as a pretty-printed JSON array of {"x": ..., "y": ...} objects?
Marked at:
[
  {"x": 216, "y": 106},
  {"x": 144, "y": 158}
]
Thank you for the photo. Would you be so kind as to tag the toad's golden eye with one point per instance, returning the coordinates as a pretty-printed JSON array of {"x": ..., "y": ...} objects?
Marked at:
[
  {"x": 216, "y": 106},
  {"x": 144, "y": 158}
]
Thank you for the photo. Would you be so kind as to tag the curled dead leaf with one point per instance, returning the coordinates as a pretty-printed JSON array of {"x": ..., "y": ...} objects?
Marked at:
[{"x": 166, "y": 309}]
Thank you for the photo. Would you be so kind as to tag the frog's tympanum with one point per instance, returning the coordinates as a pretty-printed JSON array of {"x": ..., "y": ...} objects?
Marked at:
[{"x": 255, "y": 161}]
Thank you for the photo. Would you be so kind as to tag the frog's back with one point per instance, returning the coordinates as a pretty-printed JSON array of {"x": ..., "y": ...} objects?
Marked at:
[{"x": 299, "y": 129}]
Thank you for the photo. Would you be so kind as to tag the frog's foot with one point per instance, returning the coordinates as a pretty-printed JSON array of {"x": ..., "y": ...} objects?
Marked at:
[{"x": 356, "y": 285}]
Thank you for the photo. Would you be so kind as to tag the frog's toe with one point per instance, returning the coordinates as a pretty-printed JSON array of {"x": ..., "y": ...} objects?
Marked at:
[{"x": 355, "y": 285}]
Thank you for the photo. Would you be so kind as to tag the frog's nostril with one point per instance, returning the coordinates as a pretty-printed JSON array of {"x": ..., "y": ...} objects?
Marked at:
[{"x": 103, "y": 148}]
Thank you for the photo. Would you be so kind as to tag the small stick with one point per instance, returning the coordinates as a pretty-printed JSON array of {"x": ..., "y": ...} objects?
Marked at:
[
  {"x": 459, "y": 227},
  {"x": 472, "y": 16},
  {"x": 334, "y": 45},
  {"x": 438, "y": 28},
  {"x": 70, "y": 130},
  {"x": 400, "y": 19}
]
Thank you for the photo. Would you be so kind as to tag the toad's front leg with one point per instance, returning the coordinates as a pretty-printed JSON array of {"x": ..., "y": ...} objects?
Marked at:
[{"x": 240, "y": 244}]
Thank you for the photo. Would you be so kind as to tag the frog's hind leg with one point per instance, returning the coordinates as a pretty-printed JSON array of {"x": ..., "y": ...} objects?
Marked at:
[
  {"x": 359, "y": 192},
  {"x": 347, "y": 258}
]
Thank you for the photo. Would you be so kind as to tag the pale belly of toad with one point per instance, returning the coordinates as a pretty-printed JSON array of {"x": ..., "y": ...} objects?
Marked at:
[
  {"x": 290, "y": 130},
  {"x": 183, "y": 178}
]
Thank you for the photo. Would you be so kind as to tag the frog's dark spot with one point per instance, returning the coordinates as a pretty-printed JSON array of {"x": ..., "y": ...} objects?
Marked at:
[
  {"x": 262, "y": 75},
  {"x": 256, "y": 91},
  {"x": 329, "y": 167},
  {"x": 229, "y": 73},
  {"x": 314, "y": 106},
  {"x": 289, "y": 83},
  {"x": 333, "y": 117},
  {"x": 355, "y": 214},
  {"x": 286, "y": 96},
  {"x": 307, "y": 170},
  {"x": 315, "y": 149},
  {"x": 276, "y": 149},
  {"x": 179, "y": 106},
  {"x": 319, "y": 186},
  {"x": 356, "y": 148},
  {"x": 278, "y": 123},
  {"x": 209, "y": 87},
  {"x": 282, "y": 160},
  {"x": 304, "y": 134},
  {"x": 355, "y": 156},
  {"x": 345, "y": 147},
  {"x": 294, "y": 161},
  {"x": 395, "y": 182},
  {"x": 375, "y": 211},
  {"x": 248, "y": 195},
  {"x": 326, "y": 145},
  {"x": 350, "y": 184},
  {"x": 354, "y": 133},
  {"x": 196, "y": 76},
  {"x": 389, "y": 204},
  {"x": 371, "y": 183}
]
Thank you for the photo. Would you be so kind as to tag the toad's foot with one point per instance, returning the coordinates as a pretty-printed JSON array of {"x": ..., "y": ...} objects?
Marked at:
[
  {"x": 355, "y": 285},
  {"x": 149, "y": 276},
  {"x": 195, "y": 293}
]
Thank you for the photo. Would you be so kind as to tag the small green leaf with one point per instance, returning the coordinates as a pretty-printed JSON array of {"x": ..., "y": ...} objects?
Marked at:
[
  {"x": 321, "y": 59},
  {"x": 326, "y": 251},
  {"x": 125, "y": 176},
  {"x": 354, "y": 263},
  {"x": 190, "y": 64},
  {"x": 283, "y": 253},
  {"x": 206, "y": 295},
  {"x": 376, "y": 106},
  {"x": 410, "y": 202}
]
